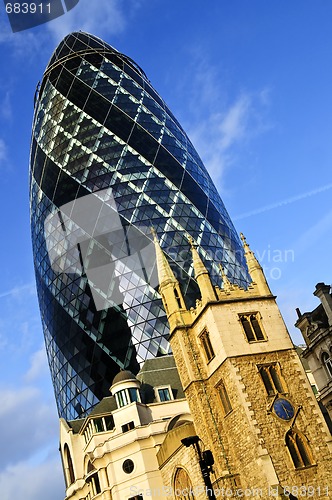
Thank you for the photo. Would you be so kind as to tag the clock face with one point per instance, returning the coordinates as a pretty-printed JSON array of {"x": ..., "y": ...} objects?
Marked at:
[{"x": 283, "y": 409}]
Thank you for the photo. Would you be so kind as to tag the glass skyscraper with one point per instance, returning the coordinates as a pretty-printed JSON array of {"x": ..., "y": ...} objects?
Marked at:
[{"x": 108, "y": 162}]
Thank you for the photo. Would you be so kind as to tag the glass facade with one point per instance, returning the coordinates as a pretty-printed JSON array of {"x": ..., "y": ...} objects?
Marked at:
[{"x": 108, "y": 162}]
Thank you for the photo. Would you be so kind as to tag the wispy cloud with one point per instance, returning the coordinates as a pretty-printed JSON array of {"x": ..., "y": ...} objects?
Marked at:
[
  {"x": 320, "y": 231},
  {"x": 34, "y": 428},
  {"x": 20, "y": 315},
  {"x": 104, "y": 17},
  {"x": 24, "y": 44},
  {"x": 286, "y": 201},
  {"x": 289, "y": 298},
  {"x": 38, "y": 365},
  {"x": 220, "y": 125},
  {"x": 233, "y": 126},
  {"x": 6, "y": 106},
  {"x": 3, "y": 152},
  {"x": 33, "y": 481},
  {"x": 30, "y": 464},
  {"x": 19, "y": 291}
]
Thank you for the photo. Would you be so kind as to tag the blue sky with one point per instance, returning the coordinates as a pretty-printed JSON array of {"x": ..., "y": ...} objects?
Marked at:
[{"x": 250, "y": 82}]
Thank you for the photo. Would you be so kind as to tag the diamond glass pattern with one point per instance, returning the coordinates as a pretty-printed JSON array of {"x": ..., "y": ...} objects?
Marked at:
[{"x": 100, "y": 126}]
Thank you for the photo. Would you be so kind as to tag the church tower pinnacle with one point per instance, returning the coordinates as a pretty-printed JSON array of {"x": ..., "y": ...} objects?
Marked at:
[
  {"x": 202, "y": 277},
  {"x": 169, "y": 288},
  {"x": 248, "y": 393},
  {"x": 255, "y": 269}
]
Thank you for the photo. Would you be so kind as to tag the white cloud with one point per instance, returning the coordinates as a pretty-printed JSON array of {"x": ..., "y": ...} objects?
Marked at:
[
  {"x": 217, "y": 136},
  {"x": 3, "y": 151},
  {"x": 6, "y": 35},
  {"x": 24, "y": 44},
  {"x": 20, "y": 291},
  {"x": 38, "y": 366},
  {"x": 233, "y": 124},
  {"x": 6, "y": 106},
  {"x": 20, "y": 327},
  {"x": 220, "y": 125},
  {"x": 102, "y": 17},
  {"x": 30, "y": 420},
  {"x": 33, "y": 482},
  {"x": 320, "y": 231},
  {"x": 286, "y": 201}
]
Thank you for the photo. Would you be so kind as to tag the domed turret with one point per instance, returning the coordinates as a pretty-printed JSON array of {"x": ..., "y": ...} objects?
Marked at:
[{"x": 125, "y": 388}]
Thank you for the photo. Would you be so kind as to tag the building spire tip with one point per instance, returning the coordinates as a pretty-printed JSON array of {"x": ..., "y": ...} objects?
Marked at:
[
  {"x": 191, "y": 240},
  {"x": 243, "y": 238},
  {"x": 154, "y": 234}
]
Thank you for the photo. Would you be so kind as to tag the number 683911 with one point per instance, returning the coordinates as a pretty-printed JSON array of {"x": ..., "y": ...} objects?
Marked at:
[{"x": 28, "y": 8}]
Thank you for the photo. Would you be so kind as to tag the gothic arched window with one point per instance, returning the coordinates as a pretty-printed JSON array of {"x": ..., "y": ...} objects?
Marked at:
[
  {"x": 207, "y": 345},
  {"x": 70, "y": 476},
  {"x": 93, "y": 479},
  {"x": 299, "y": 450},
  {"x": 183, "y": 489},
  {"x": 272, "y": 378},
  {"x": 223, "y": 395},
  {"x": 252, "y": 327}
]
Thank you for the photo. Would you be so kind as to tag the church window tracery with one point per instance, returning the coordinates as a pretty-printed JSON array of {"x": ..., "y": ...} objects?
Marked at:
[
  {"x": 272, "y": 379},
  {"x": 183, "y": 489},
  {"x": 252, "y": 327},
  {"x": 299, "y": 449}
]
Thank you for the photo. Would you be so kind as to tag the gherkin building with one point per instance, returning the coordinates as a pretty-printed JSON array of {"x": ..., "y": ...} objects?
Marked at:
[{"x": 108, "y": 162}]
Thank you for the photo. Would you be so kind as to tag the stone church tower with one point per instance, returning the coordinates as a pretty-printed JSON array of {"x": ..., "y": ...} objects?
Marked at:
[{"x": 248, "y": 394}]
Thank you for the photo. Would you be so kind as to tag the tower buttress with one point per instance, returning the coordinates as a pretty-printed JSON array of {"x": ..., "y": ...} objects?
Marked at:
[
  {"x": 248, "y": 393},
  {"x": 255, "y": 269},
  {"x": 202, "y": 277}
]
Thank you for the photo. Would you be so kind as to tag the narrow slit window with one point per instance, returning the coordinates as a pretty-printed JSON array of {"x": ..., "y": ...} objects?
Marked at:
[
  {"x": 226, "y": 404},
  {"x": 207, "y": 346},
  {"x": 70, "y": 476},
  {"x": 178, "y": 299}
]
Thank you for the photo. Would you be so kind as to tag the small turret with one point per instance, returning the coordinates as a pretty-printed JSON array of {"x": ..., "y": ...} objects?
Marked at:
[
  {"x": 227, "y": 285},
  {"x": 255, "y": 270},
  {"x": 202, "y": 277}
]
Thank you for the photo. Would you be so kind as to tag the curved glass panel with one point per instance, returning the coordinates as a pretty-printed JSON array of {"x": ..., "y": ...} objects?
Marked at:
[{"x": 108, "y": 161}]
